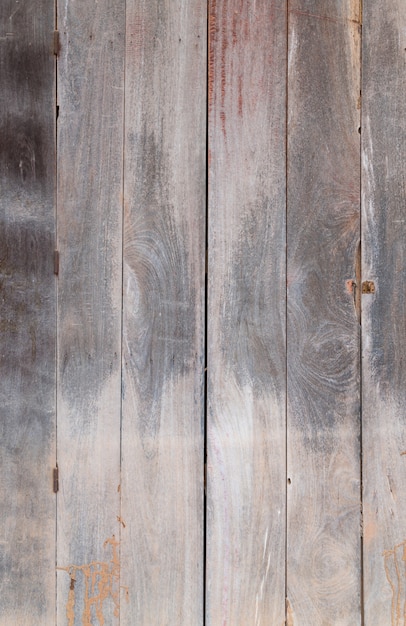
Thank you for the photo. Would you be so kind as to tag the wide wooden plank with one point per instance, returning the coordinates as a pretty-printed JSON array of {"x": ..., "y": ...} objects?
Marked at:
[
  {"x": 163, "y": 331},
  {"x": 246, "y": 314},
  {"x": 383, "y": 312},
  {"x": 90, "y": 171},
  {"x": 323, "y": 423},
  {"x": 27, "y": 313}
]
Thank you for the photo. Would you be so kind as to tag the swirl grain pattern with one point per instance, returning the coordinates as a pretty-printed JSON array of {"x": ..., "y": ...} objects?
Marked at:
[
  {"x": 163, "y": 312},
  {"x": 323, "y": 417}
]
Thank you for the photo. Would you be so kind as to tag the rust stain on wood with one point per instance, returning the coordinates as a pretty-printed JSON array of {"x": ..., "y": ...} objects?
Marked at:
[
  {"x": 394, "y": 562},
  {"x": 368, "y": 286},
  {"x": 289, "y": 614},
  {"x": 101, "y": 581},
  {"x": 350, "y": 285}
]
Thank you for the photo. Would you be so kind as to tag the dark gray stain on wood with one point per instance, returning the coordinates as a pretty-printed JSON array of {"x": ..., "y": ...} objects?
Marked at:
[
  {"x": 27, "y": 82},
  {"x": 24, "y": 67},
  {"x": 160, "y": 320},
  {"x": 22, "y": 146},
  {"x": 27, "y": 371},
  {"x": 26, "y": 265},
  {"x": 253, "y": 340}
]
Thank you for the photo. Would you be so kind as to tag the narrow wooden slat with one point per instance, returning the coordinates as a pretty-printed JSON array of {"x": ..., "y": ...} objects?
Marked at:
[
  {"x": 163, "y": 332},
  {"x": 27, "y": 313},
  {"x": 383, "y": 312},
  {"x": 323, "y": 462},
  {"x": 90, "y": 131},
  {"x": 246, "y": 314}
]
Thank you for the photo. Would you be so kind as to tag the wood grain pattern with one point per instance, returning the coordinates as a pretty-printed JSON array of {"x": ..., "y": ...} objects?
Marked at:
[
  {"x": 27, "y": 313},
  {"x": 383, "y": 313},
  {"x": 323, "y": 463},
  {"x": 90, "y": 148},
  {"x": 163, "y": 333},
  {"x": 246, "y": 314}
]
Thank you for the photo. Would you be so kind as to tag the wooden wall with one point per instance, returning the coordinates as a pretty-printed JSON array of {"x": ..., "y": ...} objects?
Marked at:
[{"x": 202, "y": 312}]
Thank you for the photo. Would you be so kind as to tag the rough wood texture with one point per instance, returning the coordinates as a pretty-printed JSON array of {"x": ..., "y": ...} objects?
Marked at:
[
  {"x": 384, "y": 312},
  {"x": 323, "y": 540},
  {"x": 163, "y": 333},
  {"x": 246, "y": 314},
  {"x": 27, "y": 313},
  {"x": 90, "y": 145}
]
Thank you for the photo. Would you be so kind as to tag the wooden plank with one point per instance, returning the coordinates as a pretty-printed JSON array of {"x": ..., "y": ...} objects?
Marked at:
[
  {"x": 246, "y": 314},
  {"x": 383, "y": 312},
  {"x": 27, "y": 313},
  {"x": 323, "y": 449},
  {"x": 90, "y": 170},
  {"x": 163, "y": 356}
]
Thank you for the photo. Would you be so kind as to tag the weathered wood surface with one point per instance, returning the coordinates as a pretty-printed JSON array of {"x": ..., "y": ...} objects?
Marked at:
[
  {"x": 27, "y": 313},
  {"x": 246, "y": 314},
  {"x": 323, "y": 426},
  {"x": 90, "y": 149},
  {"x": 163, "y": 323},
  {"x": 384, "y": 312}
]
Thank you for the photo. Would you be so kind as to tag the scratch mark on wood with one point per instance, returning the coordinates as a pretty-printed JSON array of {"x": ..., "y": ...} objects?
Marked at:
[
  {"x": 327, "y": 18},
  {"x": 396, "y": 576},
  {"x": 101, "y": 580}
]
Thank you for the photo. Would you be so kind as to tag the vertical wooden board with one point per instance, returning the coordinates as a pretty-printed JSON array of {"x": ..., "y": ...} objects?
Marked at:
[
  {"x": 383, "y": 312},
  {"x": 246, "y": 314},
  {"x": 163, "y": 332},
  {"x": 323, "y": 218},
  {"x": 27, "y": 313},
  {"x": 90, "y": 172}
]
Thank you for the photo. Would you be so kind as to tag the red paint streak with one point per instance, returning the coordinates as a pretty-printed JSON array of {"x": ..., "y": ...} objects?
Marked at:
[
  {"x": 212, "y": 37},
  {"x": 234, "y": 27},
  {"x": 223, "y": 74},
  {"x": 240, "y": 102}
]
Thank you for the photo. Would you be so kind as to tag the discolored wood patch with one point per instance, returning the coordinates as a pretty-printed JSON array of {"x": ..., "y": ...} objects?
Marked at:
[
  {"x": 100, "y": 582},
  {"x": 395, "y": 569}
]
